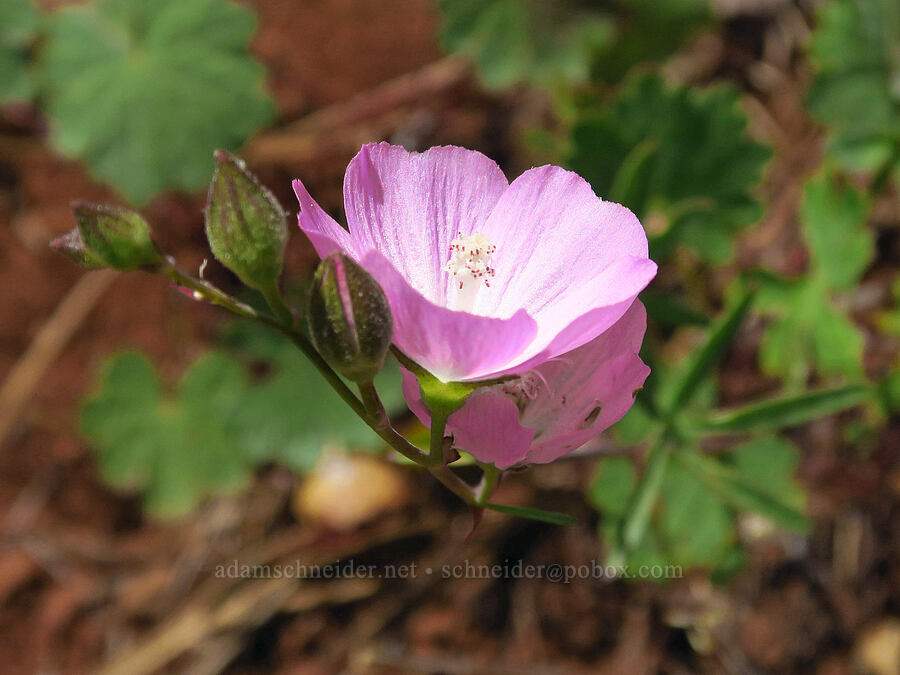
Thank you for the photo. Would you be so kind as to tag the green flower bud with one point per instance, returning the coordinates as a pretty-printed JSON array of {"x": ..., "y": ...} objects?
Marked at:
[
  {"x": 349, "y": 318},
  {"x": 72, "y": 246},
  {"x": 245, "y": 225},
  {"x": 114, "y": 236}
]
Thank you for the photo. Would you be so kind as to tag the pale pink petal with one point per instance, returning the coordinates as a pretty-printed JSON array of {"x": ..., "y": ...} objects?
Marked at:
[
  {"x": 323, "y": 231},
  {"x": 585, "y": 391},
  {"x": 572, "y": 260},
  {"x": 602, "y": 301},
  {"x": 449, "y": 344},
  {"x": 611, "y": 393},
  {"x": 559, "y": 406},
  {"x": 487, "y": 426},
  {"x": 409, "y": 206}
]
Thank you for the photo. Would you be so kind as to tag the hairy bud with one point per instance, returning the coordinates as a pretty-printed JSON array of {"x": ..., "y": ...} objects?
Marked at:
[
  {"x": 111, "y": 236},
  {"x": 349, "y": 318},
  {"x": 72, "y": 246},
  {"x": 245, "y": 224}
]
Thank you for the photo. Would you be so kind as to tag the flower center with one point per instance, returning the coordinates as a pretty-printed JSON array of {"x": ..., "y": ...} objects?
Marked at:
[{"x": 469, "y": 266}]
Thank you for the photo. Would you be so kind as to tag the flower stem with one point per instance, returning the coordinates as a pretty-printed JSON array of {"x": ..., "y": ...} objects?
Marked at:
[
  {"x": 369, "y": 409},
  {"x": 488, "y": 482},
  {"x": 436, "y": 448},
  {"x": 277, "y": 304}
]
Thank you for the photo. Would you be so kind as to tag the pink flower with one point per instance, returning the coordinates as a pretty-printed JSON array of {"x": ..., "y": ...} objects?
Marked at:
[
  {"x": 553, "y": 409},
  {"x": 484, "y": 277}
]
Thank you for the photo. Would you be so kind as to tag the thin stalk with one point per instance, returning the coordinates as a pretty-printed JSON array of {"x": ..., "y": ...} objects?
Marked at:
[
  {"x": 454, "y": 483},
  {"x": 633, "y": 529},
  {"x": 277, "y": 304},
  {"x": 436, "y": 448},
  {"x": 377, "y": 419},
  {"x": 488, "y": 482}
]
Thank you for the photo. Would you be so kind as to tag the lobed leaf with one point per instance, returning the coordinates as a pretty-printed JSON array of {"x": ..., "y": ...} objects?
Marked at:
[
  {"x": 856, "y": 50},
  {"x": 18, "y": 27},
  {"x": 662, "y": 152},
  {"x": 512, "y": 41},
  {"x": 143, "y": 92}
]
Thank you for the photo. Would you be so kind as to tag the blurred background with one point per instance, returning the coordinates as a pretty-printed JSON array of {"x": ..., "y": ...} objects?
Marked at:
[{"x": 149, "y": 444}]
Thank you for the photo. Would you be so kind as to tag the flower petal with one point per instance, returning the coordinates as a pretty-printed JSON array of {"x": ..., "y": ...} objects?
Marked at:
[
  {"x": 487, "y": 426},
  {"x": 409, "y": 206},
  {"x": 572, "y": 260},
  {"x": 449, "y": 344},
  {"x": 552, "y": 232},
  {"x": 326, "y": 235},
  {"x": 587, "y": 390},
  {"x": 597, "y": 304},
  {"x": 564, "y": 402}
]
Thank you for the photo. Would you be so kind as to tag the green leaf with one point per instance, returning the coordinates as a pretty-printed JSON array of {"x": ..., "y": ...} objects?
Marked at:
[
  {"x": 856, "y": 51},
  {"x": 770, "y": 465},
  {"x": 834, "y": 217},
  {"x": 702, "y": 361},
  {"x": 512, "y": 41},
  {"x": 671, "y": 312},
  {"x": 177, "y": 449},
  {"x": 777, "y": 413},
  {"x": 662, "y": 151},
  {"x": 611, "y": 486},
  {"x": 807, "y": 329},
  {"x": 533, "y": 514},
  {"x": 18, "y": 26},
  {"x": 742, "y": 491},
  {"x": 697, "y": 527},
  {"x": 143, "y": 92}
]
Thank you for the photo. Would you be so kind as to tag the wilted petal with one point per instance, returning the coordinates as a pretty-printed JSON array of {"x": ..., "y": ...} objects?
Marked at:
[
  {"x": 559, "y": 406},
  {"x": 487, "y": 426},
  {"x": 585, "y": 391},
  {"x": 409, "y": 206}
]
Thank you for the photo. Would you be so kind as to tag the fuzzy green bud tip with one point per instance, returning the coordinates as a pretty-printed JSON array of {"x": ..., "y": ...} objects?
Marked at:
[
  {"x": 245, "y": 224},
  {"x": 349, "y": 318},
  {"x": 111, "y": 236},
  {"x": 72, "y": 246}
]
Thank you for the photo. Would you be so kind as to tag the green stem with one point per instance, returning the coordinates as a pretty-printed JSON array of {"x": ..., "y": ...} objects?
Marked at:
[
  {"x": 370, "y": 410},
  {"x": 633, "y": 529},
  {"x": 488, "y": 482},
  {"x": 436, "y": 448},
  {"x": 277, "y": 304},
  {"x": 454, "y": 483}
]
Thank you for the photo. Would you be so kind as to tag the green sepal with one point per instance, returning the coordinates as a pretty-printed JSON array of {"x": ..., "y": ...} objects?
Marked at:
[
  {"x": 72, "y": 246},
  {"x": 245, "y": 225},
  {"x": 116, "y": 236}
]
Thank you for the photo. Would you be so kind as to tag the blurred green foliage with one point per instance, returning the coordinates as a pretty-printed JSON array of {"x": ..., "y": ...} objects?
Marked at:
[
  {"x": 515, "y": 41},
  {"x": 856, "y": 91},
  {"x": 175, "y": 448},
  {"x": 684, "y": 509},
  {"x": 18, "y": 26},
  {"x": 679, "y": 158},
  {"x": 558, "y": 43},
  {"x": 808, "y": 329},
  {"x": 143, "y": 92},
  {"x": 205, "y": 438}
]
